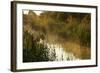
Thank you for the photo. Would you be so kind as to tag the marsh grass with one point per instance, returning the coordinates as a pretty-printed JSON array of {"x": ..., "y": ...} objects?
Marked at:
[{"x": 71, "y": 30}]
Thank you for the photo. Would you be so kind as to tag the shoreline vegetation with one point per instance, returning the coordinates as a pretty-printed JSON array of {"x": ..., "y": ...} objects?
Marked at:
[{"x": 70, "y": 31}]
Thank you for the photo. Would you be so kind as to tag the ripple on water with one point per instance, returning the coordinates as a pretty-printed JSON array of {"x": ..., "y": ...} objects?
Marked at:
[{"x": 56, "y": 53}]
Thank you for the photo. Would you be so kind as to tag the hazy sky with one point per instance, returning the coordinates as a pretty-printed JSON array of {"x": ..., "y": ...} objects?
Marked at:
[{"x": 37, "y": 12}]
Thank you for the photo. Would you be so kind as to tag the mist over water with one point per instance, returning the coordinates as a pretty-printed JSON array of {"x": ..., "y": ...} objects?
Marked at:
[{"x": 56, "y": 52}]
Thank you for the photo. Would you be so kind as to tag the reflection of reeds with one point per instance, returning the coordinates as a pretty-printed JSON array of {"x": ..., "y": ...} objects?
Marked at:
[
  {"x": 78, "y": 50},
  {"x": 85, "y": 53},
  {"x": 69, "y": 46}
]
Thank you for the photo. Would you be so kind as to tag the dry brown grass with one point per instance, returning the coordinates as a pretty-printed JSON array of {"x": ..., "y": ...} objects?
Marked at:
[
  {"x": 78, "y": 50},
  {"x": 85, "y": 53}
]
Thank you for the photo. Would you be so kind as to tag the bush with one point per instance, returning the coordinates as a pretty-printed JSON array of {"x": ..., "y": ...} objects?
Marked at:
[{"x": 33, "y": 51}]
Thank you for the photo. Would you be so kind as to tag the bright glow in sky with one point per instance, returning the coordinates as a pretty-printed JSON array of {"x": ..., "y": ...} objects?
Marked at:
[
  {"x": 37, "y": 12},
  {"x": 25, "y": 11}
]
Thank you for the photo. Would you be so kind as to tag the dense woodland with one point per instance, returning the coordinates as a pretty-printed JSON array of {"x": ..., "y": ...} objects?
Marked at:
[{"x": 58, "y": 27}]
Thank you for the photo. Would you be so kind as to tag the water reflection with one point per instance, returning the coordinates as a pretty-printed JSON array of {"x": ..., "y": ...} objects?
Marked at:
[{"x": 57, "y": 53}]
